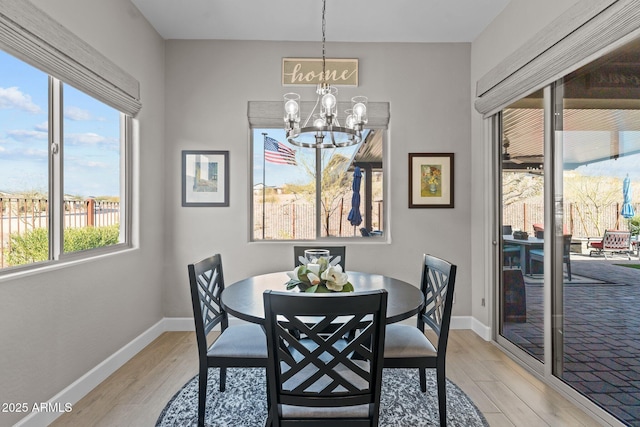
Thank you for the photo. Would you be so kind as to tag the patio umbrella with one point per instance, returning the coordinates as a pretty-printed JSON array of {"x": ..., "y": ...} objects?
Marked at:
[
  {"x": 354, "y": 214},
  {"x": 627, "y": 209}
]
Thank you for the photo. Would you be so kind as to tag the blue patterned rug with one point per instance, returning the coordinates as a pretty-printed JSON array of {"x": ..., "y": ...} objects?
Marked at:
[{"x": 243, "y": 404}]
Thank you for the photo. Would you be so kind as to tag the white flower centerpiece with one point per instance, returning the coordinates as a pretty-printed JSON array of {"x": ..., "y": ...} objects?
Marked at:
[{"x": 319, "y": 275}]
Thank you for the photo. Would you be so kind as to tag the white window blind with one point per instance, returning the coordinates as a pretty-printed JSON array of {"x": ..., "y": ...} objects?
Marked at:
[
  {"x": 33, "y": 36},
  {"x": 585, "y": 29}
]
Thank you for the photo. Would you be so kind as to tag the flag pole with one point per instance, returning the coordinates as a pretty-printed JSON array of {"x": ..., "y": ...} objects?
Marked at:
[{"x": 264, "y": 184}]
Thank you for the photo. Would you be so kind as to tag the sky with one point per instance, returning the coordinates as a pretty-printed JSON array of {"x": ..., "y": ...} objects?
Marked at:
[
  {"x": 91, "y": 136},
  {"x": 276, "y": 175}
]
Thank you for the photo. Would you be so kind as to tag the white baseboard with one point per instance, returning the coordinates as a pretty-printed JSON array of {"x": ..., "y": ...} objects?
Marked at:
[
  {"x": 83, "y": 385},
  {"x": 482, "y": 330}
]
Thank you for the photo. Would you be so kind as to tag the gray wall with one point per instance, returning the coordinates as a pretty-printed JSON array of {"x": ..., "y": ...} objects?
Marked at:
[
  {"x": 59, "y": 323},
  {"x": 208, "y": 85}
]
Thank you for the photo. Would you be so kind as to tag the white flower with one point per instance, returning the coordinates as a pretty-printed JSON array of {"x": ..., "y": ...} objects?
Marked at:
[
  {"x": 313, "y": 279},
  {"x": 293, "y": 275},
  {"x": 335, "y": 278},
  {"x": 314, "y": 268}
]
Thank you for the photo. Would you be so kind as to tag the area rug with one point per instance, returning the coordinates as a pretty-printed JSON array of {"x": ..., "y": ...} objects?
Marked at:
[{"x": 243, "y": 404}]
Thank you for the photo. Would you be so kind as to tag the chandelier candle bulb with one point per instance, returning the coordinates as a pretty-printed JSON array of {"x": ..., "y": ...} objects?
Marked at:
[
  {"x": 329, "y": 102},
  {"x": 292, "y": 111},
  {"x": 291, "y": 108},
  {"x": 360, "y": 108}
]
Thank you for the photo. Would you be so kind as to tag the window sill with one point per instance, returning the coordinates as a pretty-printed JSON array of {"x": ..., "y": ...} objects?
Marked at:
[{"x": 68, "y": 261}]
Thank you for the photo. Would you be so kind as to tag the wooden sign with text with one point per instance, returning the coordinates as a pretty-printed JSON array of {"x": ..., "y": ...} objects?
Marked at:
[{"x": 308, "y": 71}]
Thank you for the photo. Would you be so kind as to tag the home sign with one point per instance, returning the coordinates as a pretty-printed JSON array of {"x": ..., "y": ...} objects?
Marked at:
[{"x": 308, "y": 71}]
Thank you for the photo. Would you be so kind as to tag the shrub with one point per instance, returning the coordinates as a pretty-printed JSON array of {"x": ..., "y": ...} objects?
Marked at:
[
  {"x": 634, "y": 225},
  {"x": 80, "y": 239},
  {"x": 33, "y": 246},
  {"x": 29, "y": 247}
]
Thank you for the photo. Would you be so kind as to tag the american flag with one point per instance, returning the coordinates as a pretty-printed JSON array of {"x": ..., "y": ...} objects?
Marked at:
[{"x": 276, "y": 152}]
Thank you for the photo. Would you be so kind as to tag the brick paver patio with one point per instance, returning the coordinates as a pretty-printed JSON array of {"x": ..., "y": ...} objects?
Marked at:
[{"x": 601, "y": 332}]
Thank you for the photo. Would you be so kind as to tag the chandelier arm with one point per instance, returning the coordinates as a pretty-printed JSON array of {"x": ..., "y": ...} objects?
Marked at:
[{"x": 306, "y": 122}]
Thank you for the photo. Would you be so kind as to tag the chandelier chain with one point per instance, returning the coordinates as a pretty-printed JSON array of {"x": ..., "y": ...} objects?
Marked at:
[{"x": 324, "y": 29}]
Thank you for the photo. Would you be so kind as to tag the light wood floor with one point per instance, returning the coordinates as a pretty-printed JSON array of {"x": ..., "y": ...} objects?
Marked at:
[{"x": 506, "y": 393}]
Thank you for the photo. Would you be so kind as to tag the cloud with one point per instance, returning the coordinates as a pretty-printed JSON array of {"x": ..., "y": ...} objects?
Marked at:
[
  {"x": 88, "y": 138},
  {"x": 101, "y": 165},
  {"x": 24, "y": 154},
  {"x": 93, "y": 140},
  {"x": 12, "y": 97},
  {"x": 31, "y": 152},
  {"x": 42, "y": 127},
  {"x": 26, "y": 135},
  {"x": 77, "y": 114}
]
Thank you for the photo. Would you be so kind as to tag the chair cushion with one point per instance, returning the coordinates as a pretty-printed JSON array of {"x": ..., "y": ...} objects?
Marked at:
[
  {"x": 247, "y": 340},
  {"x": 406, "y": 341},
  {"x": 357, "y": 411}
]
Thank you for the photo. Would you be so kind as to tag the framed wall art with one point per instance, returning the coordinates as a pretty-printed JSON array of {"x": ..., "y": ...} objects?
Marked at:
[
  {"x": 431, "y": 180},
  {"x": 205, "y": 178}
]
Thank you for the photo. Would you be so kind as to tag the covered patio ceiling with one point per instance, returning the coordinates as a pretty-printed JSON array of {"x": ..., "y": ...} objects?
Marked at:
[
  {"x": 590, "y": 134},
  {"x": 370, "y": 153},
  {"x": 600, "y": 120}
]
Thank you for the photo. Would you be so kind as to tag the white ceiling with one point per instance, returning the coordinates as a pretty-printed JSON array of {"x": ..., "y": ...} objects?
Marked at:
[{"x": 300, "y": 20}]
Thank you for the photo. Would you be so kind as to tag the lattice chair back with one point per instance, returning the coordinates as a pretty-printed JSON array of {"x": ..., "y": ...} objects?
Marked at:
[
  {"x": 438, "y": 282},
  {"x": 207, "y": 282},
  {"x": 313, "y": 374},
  {"x": 615, "y": 239}
]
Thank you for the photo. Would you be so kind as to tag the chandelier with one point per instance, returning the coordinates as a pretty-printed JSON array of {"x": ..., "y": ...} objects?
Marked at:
[{"x": 325, "y": 130}]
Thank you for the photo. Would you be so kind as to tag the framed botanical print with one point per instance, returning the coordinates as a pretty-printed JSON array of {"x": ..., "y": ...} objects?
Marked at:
[
  {"x": 431, "y": 180},
  {"x": 205, "y": 178}
]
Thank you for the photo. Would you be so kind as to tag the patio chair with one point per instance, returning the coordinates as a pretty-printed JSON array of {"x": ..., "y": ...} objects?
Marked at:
[
  {"x": 408, "y": 347},
  {"x": 239, "y": 346},
  {"x": 334, "y": 251},
  {"x": 613, "y": 242},
  {"x": 511, "y": 253},
  {"x": 538, "y": 255},
  {"x": 321, "y": 379}
]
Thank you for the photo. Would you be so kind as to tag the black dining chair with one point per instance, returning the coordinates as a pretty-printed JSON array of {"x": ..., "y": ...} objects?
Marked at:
[
  {"x": 334, "y": 251},
  {"x": 321, "y": 379},
  {"x": 239, "y": 346},
  {"x": 408, "y": 347}
]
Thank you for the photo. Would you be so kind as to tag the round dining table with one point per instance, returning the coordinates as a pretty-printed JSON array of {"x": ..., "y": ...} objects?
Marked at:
[{"x": 243, "y": 299}]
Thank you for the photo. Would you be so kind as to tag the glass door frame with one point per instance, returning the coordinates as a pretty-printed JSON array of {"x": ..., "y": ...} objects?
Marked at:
[
  {"x": 553, "y": 281},
  {"x": 512, "y": 349},
  {"x": 553, "y": 238}
]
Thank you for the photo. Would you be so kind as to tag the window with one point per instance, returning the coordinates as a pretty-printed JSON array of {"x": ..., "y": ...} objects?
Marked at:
[
  {"x": 62, "y": 157},
  {"x": 306, "y": 194}
]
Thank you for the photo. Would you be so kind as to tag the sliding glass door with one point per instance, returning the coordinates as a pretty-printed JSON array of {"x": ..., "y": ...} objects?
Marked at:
[
  {"x": 522, "y": 212},
  {"x": 569, "y": 288},
  {"x": 598, "y": 135}
]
